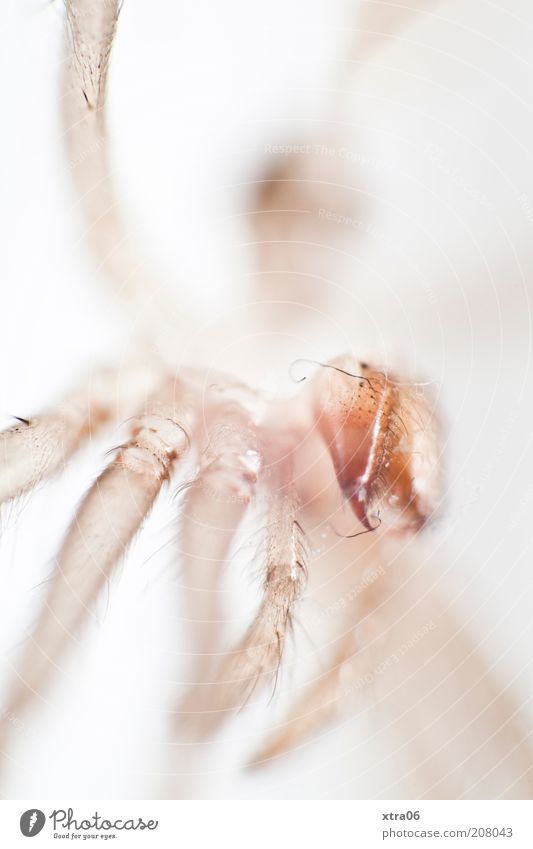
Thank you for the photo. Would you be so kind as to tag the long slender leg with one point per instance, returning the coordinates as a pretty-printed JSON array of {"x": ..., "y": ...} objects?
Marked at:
[
  {"x": 358, "y": 649},
  {"x": 106, "y": 522},
  {"x": 439, "y": 710},
  {"x": 321, "y": 703},
  {"x": 38, "y": 447},
  {"x": 213, "y": 510},
  {"x": 257, "y": 657},
  {"x": 90, "y": 32}
]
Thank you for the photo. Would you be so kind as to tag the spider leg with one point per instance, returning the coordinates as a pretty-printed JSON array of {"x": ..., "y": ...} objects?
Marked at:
[
  {"x": 213, "y": 510},
  {"x": 36, "y": 448},
  {"x": 258, "y": 655},
  {"x": 319, "y": 704},
  {"x": 334, "y": 689},
  {"x": 435, "y": 702},
  {"x": 109, "y": 516},
  {"x": 90, "y": 32},
  {"x": 89, "y": 35}
]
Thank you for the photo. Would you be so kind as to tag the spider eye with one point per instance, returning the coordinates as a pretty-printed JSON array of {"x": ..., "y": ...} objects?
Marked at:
[{"x": 381, "y": 436}]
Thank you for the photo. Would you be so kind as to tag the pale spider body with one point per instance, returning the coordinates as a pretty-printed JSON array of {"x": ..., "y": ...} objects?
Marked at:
[
  {"x": 245, "y": 446},
  {"x": 352, "y": 451}
]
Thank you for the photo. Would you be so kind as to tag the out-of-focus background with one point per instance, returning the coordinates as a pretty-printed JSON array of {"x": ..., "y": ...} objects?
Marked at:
[{"x": 427, "y": 263}]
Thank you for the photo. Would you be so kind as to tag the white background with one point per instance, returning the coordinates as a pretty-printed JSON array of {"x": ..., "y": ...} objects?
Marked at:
[{"x": 197, "y": 92}]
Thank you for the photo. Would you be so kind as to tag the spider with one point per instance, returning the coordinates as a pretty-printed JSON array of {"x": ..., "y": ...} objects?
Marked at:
[
  {"x": 352, "y": 432},
  {"x": 381, "y": 437},
  {"x": 380, "y": 434}
]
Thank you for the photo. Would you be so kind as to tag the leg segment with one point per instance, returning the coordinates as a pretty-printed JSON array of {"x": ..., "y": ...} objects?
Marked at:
[
  {"x": 106, "y": 522},
  {"x": 90, "y": 32},
  {"x": 258, "y": 656},
  {"x": 213, "y": 510},
  {"x": 33, "y": 451},
  {"x": 320, "y": 704}
]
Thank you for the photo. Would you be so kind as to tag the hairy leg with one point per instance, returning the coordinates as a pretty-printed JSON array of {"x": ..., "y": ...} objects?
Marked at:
[
  {"x": 214, "y": 507},
  {"x": 321, "y": 703},
  {"x": 449, "y": 727},
  {"x": 36, "y": 448},
  {"x": 90, "y": 31},
  {"x": 107, "y": 520},
  {"x": 256, "y": 659}
]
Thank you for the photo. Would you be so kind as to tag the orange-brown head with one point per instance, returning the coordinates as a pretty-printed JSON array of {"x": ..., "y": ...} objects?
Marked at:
[{"x": 382, "y": 437}]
